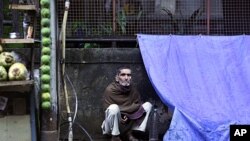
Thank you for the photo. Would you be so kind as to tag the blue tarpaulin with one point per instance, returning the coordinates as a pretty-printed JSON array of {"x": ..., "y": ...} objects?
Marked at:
[{"x": 205, "y": 79}]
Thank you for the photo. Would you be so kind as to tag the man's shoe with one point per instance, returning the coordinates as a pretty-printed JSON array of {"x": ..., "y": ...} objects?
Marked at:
[
  {"x": 115, "y": 138},
  {"x": 131, "y": 137}
]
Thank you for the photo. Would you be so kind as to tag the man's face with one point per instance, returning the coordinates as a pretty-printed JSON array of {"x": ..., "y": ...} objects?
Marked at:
[{"x": 124, "y": 77}]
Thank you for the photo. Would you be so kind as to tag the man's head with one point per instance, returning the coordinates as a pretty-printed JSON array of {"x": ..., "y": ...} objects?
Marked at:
[{"x": 123, "y": 76}]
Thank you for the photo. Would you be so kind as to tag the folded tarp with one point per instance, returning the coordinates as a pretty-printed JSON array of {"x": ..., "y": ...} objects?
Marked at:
[{"x": 205, "y": 79}]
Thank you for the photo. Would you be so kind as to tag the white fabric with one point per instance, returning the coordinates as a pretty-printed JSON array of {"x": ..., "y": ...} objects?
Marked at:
[{"x": 113, "y": 116}]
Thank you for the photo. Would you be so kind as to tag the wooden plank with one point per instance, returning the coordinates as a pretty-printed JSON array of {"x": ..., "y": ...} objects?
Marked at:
[
  {"x": 16, "y": 86},
  {"x": 16, "y": 83},
  {"x": 17, "y": 41},
  {"x": 22, "y": 7},
  {"x": 15, "y": 128}
]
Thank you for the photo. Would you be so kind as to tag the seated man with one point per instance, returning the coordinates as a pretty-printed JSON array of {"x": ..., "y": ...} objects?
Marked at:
[{"x": 124, "y": 107}]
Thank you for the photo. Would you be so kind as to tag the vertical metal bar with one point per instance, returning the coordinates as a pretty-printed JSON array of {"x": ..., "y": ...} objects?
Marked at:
[
  {"x": 32, "y": 97},
  {"x": 208, "y": 16},
  {"x": 114, "y": 15},
  {"x": 33, "y": 113},
  {"x": 114, "y": 20},
  {"x": 33, "y": 122},
  {"x": 53, "y": 72}
]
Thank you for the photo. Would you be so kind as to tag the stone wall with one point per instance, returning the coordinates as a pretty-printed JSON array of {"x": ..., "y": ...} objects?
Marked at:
[{"x": 90, "y": 71}]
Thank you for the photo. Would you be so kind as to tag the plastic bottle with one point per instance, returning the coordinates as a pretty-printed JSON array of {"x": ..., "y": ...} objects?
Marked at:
[{"x": 153, "y": 133}]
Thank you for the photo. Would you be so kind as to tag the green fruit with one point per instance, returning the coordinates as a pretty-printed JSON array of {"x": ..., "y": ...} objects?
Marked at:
[
  {"x": 1, "y": 48},
  {"x": 45, "y": 78},
  {"x": 17, "y": 71},
  {"x": 46, "y": 41},
  {"x": 45, "y": 59},
  {"x": 45, "y": 3},
  {"x": 45, "y": 12},
  {"x": 46, "y": 96},
  {"x": 45, "y": 22},
  {"x": 45, "y": 88},
  {"x": 45, "y": 69},
  {"x": 7, "y": 59},
  {"x": 46, "y": 105},
  {"x": 46, "y": 50},
  {"x": 45, "y": 32},
  {"x": 3, "y": 73}
]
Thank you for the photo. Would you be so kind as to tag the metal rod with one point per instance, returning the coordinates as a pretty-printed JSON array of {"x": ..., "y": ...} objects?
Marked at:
[
  {"x": 114, "y": 15},
  {"x": 53, "y": 72},
  {"x": 101, "y": 39},
  {"x": 33, "y": 121},
  {"x": 208, "y": 16},
  {"x": 104, "y": 62},
  {"x": 114, "y": 22}
]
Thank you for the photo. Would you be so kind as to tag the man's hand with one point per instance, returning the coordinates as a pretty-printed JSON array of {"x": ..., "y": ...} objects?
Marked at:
[{"x": 124, "y": 119}]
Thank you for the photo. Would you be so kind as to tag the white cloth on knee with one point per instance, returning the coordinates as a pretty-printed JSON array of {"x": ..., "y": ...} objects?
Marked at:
[
  {"x": 113, "y": 116},
  {"x": 147, "y": 106}
]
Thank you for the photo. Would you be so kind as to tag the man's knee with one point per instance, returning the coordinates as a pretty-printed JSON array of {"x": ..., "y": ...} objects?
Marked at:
[
  {"x": 147, "y": 106},
  {"x": 113, "y": 109}
]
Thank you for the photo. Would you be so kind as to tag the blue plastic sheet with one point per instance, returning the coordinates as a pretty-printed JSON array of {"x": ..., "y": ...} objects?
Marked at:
[{"x": 206, "y": 79}]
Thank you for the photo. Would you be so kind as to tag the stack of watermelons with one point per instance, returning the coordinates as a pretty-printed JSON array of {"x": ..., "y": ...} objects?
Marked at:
[{"x": 45, "y": 56}]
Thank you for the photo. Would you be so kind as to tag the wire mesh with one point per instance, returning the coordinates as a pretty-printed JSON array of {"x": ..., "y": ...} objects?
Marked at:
[{"x": 126, "y": 18}]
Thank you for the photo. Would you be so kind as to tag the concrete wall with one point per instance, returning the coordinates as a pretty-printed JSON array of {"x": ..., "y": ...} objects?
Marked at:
[{"x": 90, "y": 71}]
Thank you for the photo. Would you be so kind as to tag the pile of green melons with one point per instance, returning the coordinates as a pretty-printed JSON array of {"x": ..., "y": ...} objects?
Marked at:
[{"x": 45, "y": 55}]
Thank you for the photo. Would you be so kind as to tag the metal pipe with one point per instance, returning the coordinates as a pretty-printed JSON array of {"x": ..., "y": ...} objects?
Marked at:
[
  {"x": 208, "y": 16},
  {"x": 53, "y": 63},
  {"x": 63, "y": 38}
]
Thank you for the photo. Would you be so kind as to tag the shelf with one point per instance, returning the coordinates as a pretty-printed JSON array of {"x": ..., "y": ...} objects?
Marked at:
[
  {"x": 17, "y": 41},
  {"x": 16, "y": 86},
  {"x": 22, "y": 7}
]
